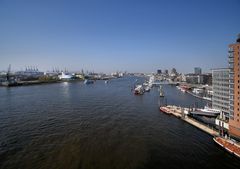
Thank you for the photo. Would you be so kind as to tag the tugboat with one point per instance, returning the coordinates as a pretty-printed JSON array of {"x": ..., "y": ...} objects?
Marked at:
[{"x": 161, "y": 94}]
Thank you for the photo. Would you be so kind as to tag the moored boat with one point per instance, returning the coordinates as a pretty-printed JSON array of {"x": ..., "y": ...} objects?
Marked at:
[
  {"x": 139, "y": 90},
  {"x": 164, "y": 110},
  {"x": 206, "y": 111},
  {"x": 228, "y": 145},
  {"x": 147, "y": 89}
]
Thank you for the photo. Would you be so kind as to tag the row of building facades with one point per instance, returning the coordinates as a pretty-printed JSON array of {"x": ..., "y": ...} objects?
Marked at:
[{"x": 226, "y": 93}]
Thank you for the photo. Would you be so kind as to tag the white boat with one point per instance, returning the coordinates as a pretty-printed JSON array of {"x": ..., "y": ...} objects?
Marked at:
[
  {"x": 106, "y": 81},
  {"x": 207, "y": 98},
  {"x": 207, "y": 111},
  {"x": 198, "y": 90},
  {"x": 210, "y": 110},
  {"x": 65, "y": 76},
  {"x": 151, "y": 81},
  {"x": 147, "y": 89},
  {"x": 139, "y": 90},
  {"x": 145, "y": 84}
]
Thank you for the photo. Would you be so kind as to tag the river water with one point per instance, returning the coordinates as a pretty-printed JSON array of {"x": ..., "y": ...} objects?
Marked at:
[{"x": 101, "y": 126}]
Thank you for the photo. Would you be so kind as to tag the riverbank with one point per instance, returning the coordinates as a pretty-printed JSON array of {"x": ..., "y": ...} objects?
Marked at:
[
  {"x": 27, "y": 83},
  {"x": 36, "y": 82}
]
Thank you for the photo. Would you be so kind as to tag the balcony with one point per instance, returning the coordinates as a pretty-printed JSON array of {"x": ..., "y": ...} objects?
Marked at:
[
  {"x": 230, "y": 50},
  {"x": 230, "y": 55},
  {"x": 230, "y": 60}
]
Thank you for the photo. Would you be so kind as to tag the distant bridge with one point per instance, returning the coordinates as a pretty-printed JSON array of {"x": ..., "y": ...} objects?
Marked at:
[{"x": 157, "y": 83}]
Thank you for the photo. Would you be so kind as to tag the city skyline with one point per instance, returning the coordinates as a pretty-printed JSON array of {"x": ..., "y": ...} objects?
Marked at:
[{"x": 106, "y": 36}]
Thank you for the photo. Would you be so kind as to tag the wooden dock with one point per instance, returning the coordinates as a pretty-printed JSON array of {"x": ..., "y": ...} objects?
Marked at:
[{"x": 201, "y": 126}]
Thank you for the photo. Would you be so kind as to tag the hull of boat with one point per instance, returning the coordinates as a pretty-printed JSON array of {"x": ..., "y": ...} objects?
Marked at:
[{"x": 237, "y": 154}]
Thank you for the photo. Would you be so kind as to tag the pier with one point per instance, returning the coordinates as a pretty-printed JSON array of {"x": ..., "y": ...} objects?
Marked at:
[
  {"x": 201, "y": 126},
  {"x": 182, "y": 113}
]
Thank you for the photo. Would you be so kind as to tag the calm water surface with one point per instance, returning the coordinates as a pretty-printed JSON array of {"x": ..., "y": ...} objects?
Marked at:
[{"x": 101, "y": 126}]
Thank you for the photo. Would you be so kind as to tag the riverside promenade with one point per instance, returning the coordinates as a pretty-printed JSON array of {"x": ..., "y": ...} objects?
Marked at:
[{"x": 182, "y": 113}]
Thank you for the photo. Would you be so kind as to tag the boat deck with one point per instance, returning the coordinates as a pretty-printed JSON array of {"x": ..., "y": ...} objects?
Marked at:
[{"x": 228, "y": 145}]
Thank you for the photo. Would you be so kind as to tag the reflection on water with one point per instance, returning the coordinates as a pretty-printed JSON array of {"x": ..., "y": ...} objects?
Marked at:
[
  {"x": 65, "y": 89},
  {"x": 72, "y": 125}
]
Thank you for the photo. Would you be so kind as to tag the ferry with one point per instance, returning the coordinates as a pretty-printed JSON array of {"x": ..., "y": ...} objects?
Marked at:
[
  {"x": 138, "y": 90},
  {"x": 228, "y": 145},
  {"x": 206, "y": 111},
  {"x": 65, "y": 76},
  {"x": 165, "y": 110}
]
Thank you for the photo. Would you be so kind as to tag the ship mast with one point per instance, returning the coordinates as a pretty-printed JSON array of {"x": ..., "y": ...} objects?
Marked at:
[{"x": 8, "y": 73}]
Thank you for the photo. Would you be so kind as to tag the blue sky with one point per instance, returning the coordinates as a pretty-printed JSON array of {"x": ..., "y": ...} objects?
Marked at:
[{"x": 111, "y": 35}]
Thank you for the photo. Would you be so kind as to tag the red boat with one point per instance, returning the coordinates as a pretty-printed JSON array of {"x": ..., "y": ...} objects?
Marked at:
[
  {"x": 165, "y": 110},
  {"x": 228, "y": 145}
]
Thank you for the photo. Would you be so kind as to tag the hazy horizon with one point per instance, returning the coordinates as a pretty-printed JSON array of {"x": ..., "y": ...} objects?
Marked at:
[{"x": 108, "y": 36}]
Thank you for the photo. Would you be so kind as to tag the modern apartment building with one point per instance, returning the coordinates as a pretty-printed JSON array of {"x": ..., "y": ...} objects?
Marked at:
[
  {"x": 197, "y": 70},
  {"x": 220, "y": 86},
  {"x": 234, "y": 89}
]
